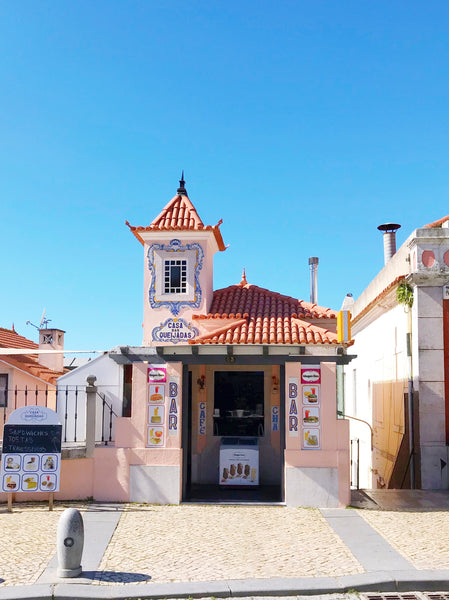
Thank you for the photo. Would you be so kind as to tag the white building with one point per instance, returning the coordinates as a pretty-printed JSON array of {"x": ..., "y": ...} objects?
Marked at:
[{"x": 402, "y": 365}]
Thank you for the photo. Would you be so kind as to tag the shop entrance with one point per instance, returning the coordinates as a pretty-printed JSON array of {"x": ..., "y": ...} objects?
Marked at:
[{"x": 234, "y": 451}]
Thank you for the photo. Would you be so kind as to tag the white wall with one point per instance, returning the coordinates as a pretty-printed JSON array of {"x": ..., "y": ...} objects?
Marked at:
[
  {"x": 109, "y": 382},
  {"x": 381, "y": 350}
]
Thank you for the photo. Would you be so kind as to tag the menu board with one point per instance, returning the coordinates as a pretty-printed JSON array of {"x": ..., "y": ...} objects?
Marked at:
[
  {"x": 31, "y": 456},
  {"x": 311, "y": 408}
]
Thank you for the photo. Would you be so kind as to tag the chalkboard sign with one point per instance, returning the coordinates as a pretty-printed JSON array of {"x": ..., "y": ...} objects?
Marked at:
[
  {"x": 31, "y": 453},
  {"x": 32, "y": 438}
]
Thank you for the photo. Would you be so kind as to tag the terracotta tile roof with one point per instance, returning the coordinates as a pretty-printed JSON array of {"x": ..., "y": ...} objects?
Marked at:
[
  {"x": 29, "y": 363},
  {"x": 438, "y": 223},
  {"x": 260, "y": 316},
  {"x": 179, "y": 215}
]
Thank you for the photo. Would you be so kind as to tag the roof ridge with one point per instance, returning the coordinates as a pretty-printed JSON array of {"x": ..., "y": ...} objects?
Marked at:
[
  {"x": 218, "y": 331},
  {"x": 437, "y": 223}
]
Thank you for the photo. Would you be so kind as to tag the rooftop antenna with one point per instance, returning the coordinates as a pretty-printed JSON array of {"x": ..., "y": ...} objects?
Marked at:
[{"x": 43, "y": 324}]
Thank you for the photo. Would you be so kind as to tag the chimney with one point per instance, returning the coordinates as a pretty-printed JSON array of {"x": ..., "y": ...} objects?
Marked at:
[
  {"x": 389, "y": 230},
  {"x": 313, "y": 263},
  {"x": 52, "y": 339}
]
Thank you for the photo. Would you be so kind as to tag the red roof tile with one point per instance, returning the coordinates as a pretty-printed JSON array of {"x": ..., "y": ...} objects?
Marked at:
[
  {"x": 263, "y": 317},
  {"x": 438, "y": 223},
  {"x": 179, "y": 215},
  {"x": 26, "y": 362}
]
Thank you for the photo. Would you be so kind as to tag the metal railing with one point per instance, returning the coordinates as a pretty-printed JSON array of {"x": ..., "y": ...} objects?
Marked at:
[
  {"x": 70, "y": 404},
  {"x": 71, "y": 407},
  {"x": 12, "y": 398}
]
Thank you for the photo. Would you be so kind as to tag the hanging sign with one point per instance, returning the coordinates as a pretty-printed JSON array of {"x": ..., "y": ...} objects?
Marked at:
[{"x": 31, "y": 456}]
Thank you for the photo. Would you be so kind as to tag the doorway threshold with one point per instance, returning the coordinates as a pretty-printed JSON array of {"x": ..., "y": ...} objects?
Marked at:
[{"x": 215, "y": 494}]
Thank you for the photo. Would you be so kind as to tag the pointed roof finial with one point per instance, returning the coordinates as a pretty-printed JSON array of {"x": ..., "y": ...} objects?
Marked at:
[
  {"x": 182, "y": 190},
  {"x": 243, "y": 282}
]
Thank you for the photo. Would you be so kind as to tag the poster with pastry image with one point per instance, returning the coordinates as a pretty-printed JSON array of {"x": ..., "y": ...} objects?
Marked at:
[
  {"x": 11, "y": 482},
  {"x": 155, "y": 437},
  {"x": 156, "y": 414},
  {"x": 48, "y": 483},
  {"x": 29, "y": 482},
  {"x": 156, "y": 394}
]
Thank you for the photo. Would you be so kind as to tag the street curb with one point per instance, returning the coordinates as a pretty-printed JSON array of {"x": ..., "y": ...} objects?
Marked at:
[{"x": 381, "y": 581}]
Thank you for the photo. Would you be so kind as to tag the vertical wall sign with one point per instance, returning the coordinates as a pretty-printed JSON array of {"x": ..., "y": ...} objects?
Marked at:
[
  {"x": 275, "y": 410},
  {"x": 311, "y": 407},
  {"x": 157, "y": 377},
  {"x": 293, "y": 420},
  {"x": 202, "y": 406},
  {"x": 173, "y": 416}
]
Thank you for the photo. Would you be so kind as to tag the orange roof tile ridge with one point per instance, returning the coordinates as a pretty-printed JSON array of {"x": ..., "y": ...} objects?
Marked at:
[
  {"x": 437, "y": 223},
  {"x": 219, "y": 331},
  {"x": 178, "y": 211}
]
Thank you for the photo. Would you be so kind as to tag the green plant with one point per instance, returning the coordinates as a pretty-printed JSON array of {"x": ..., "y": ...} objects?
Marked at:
[{"x": 404, "y": 295}]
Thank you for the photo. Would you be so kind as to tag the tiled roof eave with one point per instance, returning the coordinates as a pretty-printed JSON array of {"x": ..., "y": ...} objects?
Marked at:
[{"x": 215, "y": 229}]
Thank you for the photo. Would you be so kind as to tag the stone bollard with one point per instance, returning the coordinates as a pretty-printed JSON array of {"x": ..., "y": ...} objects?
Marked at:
[{"x": 70, "y": 542}]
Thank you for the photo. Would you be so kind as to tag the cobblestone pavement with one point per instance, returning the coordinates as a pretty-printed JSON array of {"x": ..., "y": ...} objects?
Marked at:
[
  {"x": 421, "y": 536},
  {"x": 207, "y": 543},
  {"x": 27, "y": 541}
]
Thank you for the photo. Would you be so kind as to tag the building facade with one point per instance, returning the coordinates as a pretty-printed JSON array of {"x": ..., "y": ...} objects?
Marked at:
[
  {"x": 235, "y": 394},
  {"x": 398, "y": 382}
]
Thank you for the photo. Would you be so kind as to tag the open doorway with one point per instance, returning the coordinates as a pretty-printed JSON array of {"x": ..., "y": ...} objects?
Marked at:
[{"x": 231, "y": 420}]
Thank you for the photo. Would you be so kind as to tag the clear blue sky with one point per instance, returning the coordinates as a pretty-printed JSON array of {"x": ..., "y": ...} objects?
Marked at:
[{"x": 302, "y": 124}]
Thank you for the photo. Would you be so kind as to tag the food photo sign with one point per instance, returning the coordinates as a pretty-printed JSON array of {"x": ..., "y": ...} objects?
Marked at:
[
  {"x": 311, "y": 408},
  {"x": 157, "y": 381},
  {"x": 31, "y": 456}
]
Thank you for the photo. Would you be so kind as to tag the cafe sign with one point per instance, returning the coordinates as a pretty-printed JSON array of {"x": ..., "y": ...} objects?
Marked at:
[{"x": 174, "y": 331}]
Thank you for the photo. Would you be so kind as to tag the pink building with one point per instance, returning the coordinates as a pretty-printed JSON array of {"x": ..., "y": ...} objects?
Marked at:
[{"x": 232, "y": 396}]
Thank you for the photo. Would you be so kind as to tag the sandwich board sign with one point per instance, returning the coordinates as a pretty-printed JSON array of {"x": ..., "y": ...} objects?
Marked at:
[{"x": 31, "y": 455}]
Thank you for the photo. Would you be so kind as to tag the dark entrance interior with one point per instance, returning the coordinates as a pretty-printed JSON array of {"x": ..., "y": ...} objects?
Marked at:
[{"x": 240, "y": 409}]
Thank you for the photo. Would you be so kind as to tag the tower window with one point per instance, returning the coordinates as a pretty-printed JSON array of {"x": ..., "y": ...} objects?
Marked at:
[{"x": 175, "y": 276}]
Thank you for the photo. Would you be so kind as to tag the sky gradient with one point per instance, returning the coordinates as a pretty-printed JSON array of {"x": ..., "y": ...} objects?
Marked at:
[{"x": 303, "y": 125}]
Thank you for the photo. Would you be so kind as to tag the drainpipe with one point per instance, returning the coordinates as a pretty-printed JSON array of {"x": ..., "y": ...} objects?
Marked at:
[{"x": 411, "y": 431}]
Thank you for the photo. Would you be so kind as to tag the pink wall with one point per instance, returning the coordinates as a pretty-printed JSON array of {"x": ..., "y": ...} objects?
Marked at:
[{"x": 334, "y": 451}]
